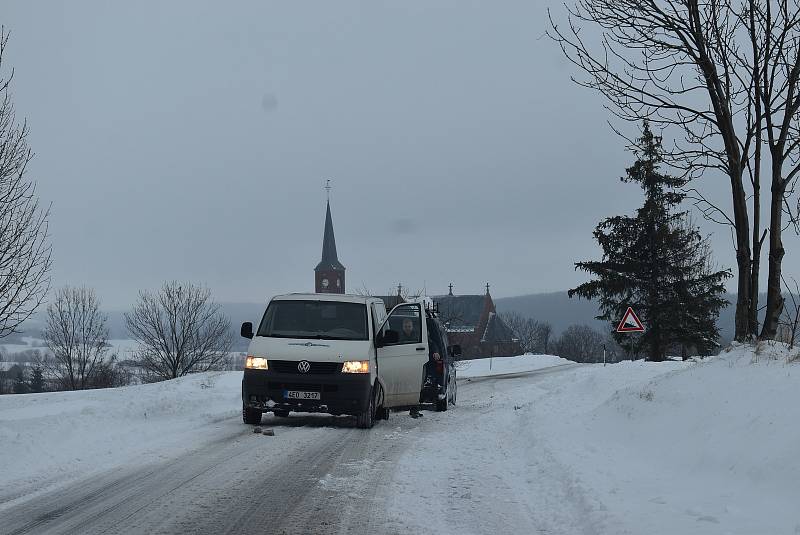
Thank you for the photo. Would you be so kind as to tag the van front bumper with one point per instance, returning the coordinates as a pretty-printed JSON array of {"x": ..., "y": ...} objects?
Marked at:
[{"x": 340, "y": 393}]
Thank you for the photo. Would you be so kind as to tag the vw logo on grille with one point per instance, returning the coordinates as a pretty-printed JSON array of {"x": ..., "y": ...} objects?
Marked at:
[{"x": 303, "y": 366}]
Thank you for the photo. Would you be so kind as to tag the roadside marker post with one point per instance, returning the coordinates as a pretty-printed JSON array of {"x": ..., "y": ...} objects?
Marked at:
[{"x": 604, "y": 355}]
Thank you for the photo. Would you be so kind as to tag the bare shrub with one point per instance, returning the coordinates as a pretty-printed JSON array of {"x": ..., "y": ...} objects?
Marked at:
[
  {"x": 580, "y": 343},
  {"x": 533, "y": 335},
  {"x": 180, "y": 330},
  {"x": 77, "y": 336}
]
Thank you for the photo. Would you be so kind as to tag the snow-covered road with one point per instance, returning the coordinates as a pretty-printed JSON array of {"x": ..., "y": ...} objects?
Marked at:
[{"x": 240, "y": 483}]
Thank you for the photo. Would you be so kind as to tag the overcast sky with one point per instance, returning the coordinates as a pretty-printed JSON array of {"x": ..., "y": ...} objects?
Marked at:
[{"x": 192, "y": 140}]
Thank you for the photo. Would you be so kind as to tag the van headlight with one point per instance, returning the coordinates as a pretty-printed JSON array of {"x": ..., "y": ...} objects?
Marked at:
[
  {"x": 256, "y": 363},
  {"x": 355, "y": 366}
]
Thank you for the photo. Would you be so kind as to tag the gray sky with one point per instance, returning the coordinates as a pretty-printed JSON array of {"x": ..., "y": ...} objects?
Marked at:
[{"x": 191, "y": 140}]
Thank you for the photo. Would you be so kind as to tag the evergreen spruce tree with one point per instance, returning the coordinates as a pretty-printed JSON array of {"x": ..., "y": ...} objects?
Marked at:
[
  {"x": 658, "y": 263},
  {"x": 37, "y": 379},
  {"x": 20, "y": 386}
]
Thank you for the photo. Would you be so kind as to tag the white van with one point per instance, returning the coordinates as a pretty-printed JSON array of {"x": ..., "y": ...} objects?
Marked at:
[{"x": 334, "y": 353}]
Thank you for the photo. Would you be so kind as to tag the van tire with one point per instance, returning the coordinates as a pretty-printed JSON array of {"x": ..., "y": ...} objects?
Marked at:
[
  {"x": 281, "y": 413},
  {"x": 441, "y": 405},
  {"x": 251, "y": 416},
  {"x": 366, "y": 419}
]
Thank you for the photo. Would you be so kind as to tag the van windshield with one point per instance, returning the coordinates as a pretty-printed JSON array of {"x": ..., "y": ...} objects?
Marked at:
[{"x": 319, "y": 320}]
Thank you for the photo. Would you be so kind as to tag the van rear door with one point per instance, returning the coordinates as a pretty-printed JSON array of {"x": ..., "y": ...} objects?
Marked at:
[{"x": 401, "y": 363}]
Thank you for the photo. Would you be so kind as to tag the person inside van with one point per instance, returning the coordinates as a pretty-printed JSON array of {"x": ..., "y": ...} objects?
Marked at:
[{"x": 408, "y": 334}]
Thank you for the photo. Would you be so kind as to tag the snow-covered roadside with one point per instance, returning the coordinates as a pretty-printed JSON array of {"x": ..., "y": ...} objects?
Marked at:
[
  {"x": 711, "y": 449},
  {"x": 655, "y": 448},
  {"x": 505, "y": 365},
  {"x": 45, "y": 438}
]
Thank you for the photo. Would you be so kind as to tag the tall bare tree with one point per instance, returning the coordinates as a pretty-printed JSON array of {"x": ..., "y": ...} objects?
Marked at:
[
  {"x": 180, "y": 330},
  {"x": 681, "y": 65},
  {"x": 77, "y": 336},
  {"x": 774, "y": 31},
  {"x": 25, "y": 253}
]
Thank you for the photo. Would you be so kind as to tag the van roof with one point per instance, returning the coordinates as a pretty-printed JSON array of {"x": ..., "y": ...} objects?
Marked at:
[{"x": 342, "y": 298}]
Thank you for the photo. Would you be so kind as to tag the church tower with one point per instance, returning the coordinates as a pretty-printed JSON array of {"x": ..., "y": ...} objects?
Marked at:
[{"x": 329, "y": 273}]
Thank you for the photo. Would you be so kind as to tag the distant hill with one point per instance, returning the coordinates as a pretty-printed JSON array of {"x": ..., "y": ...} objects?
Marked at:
[{"x": 555, "y": 308}]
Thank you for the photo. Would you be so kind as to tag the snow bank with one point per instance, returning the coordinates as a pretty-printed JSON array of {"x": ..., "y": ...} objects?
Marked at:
[
  {"x": 712, "y": 448},
  {"x": 708, "y": 447},
  {"x": 62, "y": 435}
]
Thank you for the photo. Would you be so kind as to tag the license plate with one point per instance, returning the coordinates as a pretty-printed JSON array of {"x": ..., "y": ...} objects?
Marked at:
[{"x": 294, "y": 394}]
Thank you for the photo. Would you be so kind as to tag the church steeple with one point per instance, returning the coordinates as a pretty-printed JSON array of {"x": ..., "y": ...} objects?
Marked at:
[{"x": 329, "y": 273}]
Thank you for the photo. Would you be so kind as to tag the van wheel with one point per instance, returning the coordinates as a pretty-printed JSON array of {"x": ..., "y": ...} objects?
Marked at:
[
  {"x": 281, "y": 413},
  {"x": 454, "y": 386},
  {"x": 366, "y": 419},
  {"x": 251, "y": 416},
  {"x": 441, "y": 405}
]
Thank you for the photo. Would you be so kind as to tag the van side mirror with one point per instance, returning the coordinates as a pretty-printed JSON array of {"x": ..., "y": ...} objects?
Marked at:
[
  {"x": 455, "y": 351},
  {"x": 247, "y": 329}
]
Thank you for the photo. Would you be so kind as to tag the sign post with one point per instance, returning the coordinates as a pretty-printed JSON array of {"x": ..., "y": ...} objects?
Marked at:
[{"x": 630, "y": 324}]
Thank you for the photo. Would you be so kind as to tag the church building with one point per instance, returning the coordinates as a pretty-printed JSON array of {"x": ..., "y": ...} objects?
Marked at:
[
  {"x": 329, "y": 273},
  {"x": 473, "y": 323}
]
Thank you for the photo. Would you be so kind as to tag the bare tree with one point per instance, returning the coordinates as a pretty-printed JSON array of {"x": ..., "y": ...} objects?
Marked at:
[
  {"x": 580, "y": 343},
  {"x": 790, "y": 319},
  {"x": 109, "y": 374},
  {"x": 683, "y": 65},
  {"x": 726, "y": 73},
  {"x": 545, "y": 333},
  {"x": 533, "y": 335},
  {"x": 180, "y": 330},
  {"x": 774, "y": 32},
  {"x": 400, "y": 294},
  {"x": 522, "y": 328},
  {"x": 77, "y": 336},
  {"x": 25, "y": 253}
]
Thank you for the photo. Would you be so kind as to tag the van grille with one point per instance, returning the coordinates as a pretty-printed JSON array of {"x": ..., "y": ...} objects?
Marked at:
[{"x": 317, "y": 368}]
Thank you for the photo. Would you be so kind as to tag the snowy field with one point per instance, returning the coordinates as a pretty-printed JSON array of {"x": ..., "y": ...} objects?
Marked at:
[
  {"x": 540, "y": 446},
  {"x": 122, "y": 348}
]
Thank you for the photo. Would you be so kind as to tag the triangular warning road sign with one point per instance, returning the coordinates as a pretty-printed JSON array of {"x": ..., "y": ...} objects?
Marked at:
[{"x": 630, "y": 323}]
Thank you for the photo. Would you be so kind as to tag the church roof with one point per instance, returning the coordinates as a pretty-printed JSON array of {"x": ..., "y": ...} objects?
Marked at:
[
  {"x": 497, "y": 330},
  {"x": 463, "y": 314},
  {"x": 460, "y": 311},
  {"x": 329, "y": 259},
  {"x": 391, "y": 301}
]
